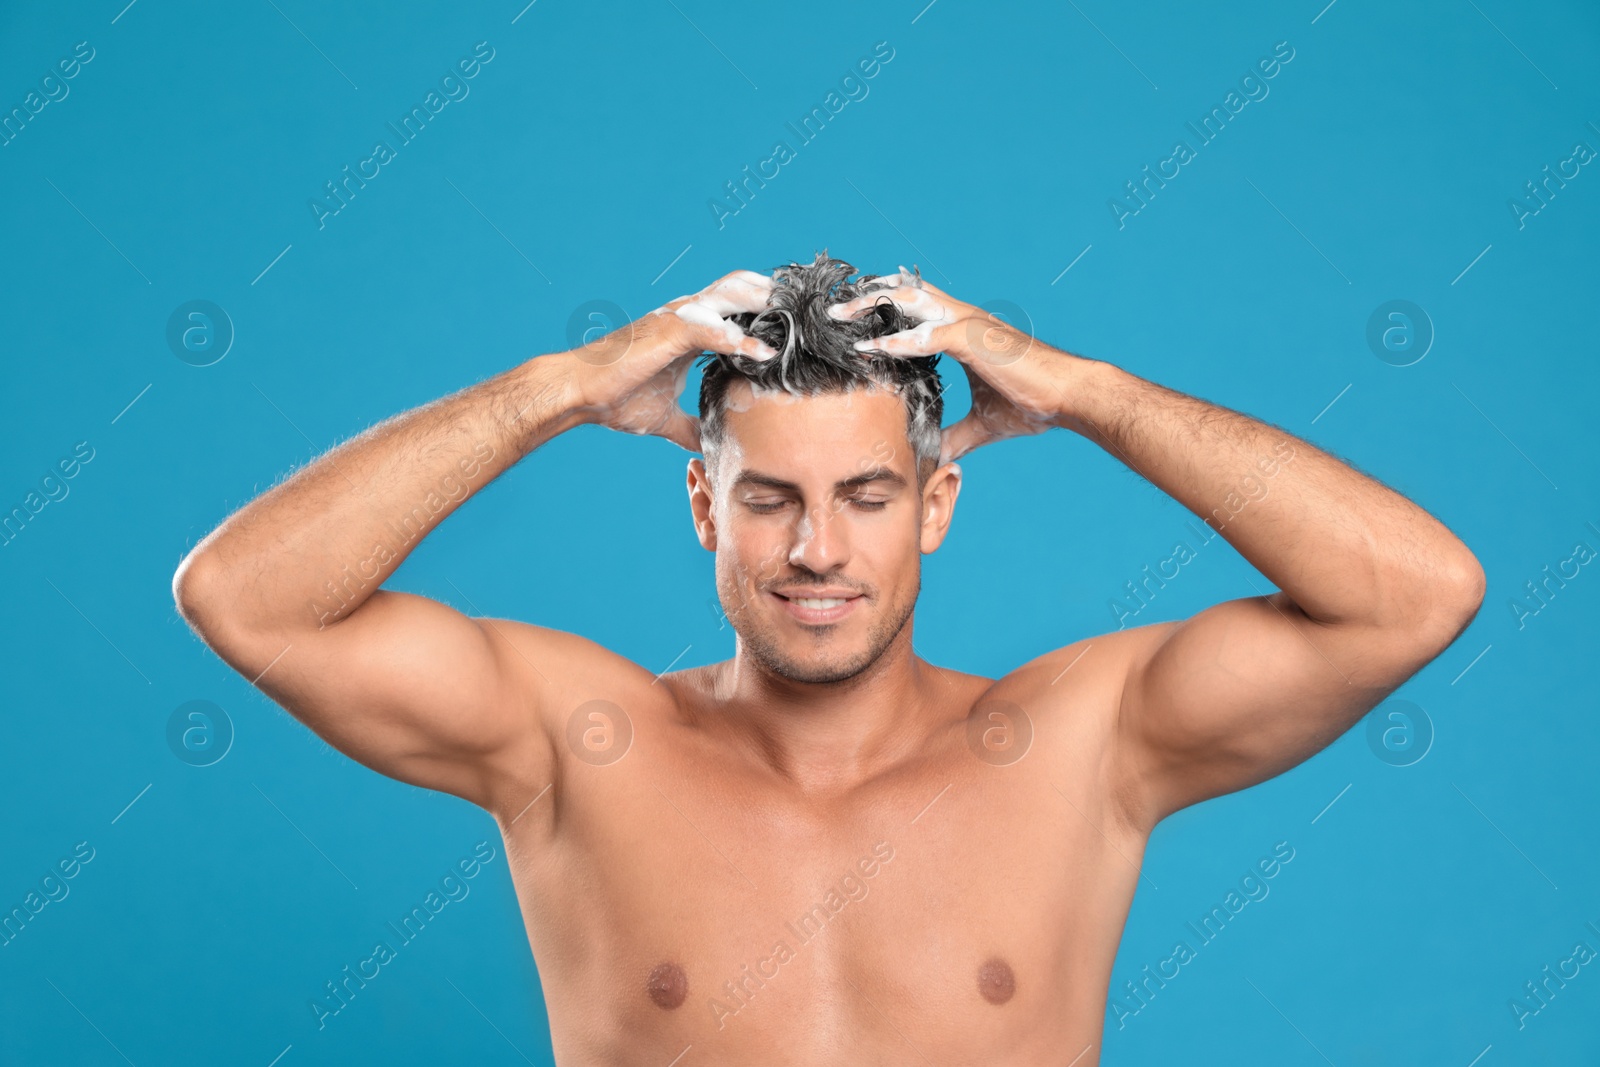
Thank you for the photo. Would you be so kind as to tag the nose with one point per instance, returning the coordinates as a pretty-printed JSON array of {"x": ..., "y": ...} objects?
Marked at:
[{"x": 820, "y": 543}]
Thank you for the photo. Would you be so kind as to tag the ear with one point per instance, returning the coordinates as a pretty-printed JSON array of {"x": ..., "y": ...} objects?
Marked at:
[
  {"x": 939, "y": 505},
  {"x": 700, "y": 504}
]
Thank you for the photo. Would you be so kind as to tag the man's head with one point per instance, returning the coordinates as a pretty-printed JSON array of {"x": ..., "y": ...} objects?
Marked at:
[
  {"x": 816, "y": 354},
  {"x": 820, "y": 478}
]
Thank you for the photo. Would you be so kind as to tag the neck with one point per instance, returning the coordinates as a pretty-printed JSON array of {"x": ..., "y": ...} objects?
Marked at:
[{"x": 831, "y": 735}]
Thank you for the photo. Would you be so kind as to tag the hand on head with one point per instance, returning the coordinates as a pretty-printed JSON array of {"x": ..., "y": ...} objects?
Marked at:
[
  {"x": 631, "y": 378},
  {"x": 1012, "y": 395}
]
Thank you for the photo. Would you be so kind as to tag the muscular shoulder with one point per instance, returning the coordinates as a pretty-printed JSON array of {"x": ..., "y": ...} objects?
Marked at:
[
  {"x": 1074, "y": 680},
  {"x": 557, "y": 660},
  {"x": 1071, "y": 697},
  {"x": 559, "y": 675}
]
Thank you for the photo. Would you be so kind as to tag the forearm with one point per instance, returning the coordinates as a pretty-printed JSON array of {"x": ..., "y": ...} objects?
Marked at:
[
  {"x": 312, "y": 549},
  {"x": 1342, "y": 546}
]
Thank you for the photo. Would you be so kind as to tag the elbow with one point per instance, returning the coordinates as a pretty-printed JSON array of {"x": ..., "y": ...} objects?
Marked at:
[
  {"x": 1467, "y": 584},
  {"x": 1473, "y": 584},
  {"x": 1455, "y": 595},
  {"x": 194, "y": 590}
]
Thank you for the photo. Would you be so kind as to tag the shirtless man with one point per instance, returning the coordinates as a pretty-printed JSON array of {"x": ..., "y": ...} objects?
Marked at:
[{"x": 827, "y": 850}]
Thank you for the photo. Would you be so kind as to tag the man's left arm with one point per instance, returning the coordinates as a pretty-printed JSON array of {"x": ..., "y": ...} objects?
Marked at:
[{"x": 1371, "y": 587}]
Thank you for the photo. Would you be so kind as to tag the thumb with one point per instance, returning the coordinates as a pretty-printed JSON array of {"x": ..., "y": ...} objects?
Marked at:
[
  {"x": 960, "y": 438},
  {"x": 681, "y": 429}
]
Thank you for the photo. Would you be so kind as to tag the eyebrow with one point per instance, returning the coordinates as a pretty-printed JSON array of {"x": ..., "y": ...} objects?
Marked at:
[{"x": 876, "y": 474}]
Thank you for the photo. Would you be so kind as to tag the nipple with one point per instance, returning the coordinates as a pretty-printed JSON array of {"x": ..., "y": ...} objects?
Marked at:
[
  {"x": 668, "y": 985},
  {"x": 995, "y": 981}
]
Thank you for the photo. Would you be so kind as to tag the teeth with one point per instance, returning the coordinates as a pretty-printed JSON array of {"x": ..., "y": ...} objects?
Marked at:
[{"x": 815, "y": 602}]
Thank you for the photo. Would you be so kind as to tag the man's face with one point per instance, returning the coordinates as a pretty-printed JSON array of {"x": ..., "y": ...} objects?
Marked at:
[{"x": 819, "y": 527}]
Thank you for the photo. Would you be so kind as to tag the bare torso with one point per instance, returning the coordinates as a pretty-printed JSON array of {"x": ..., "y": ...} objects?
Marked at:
[
  {"x": 782, "y": 874},
  {"x": 965, "y": 906}
]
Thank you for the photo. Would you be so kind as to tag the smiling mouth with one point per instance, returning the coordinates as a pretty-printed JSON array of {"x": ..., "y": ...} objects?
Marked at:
[
  {"x": 818, "y": 609},
  {"x": 816, "y": 602}
]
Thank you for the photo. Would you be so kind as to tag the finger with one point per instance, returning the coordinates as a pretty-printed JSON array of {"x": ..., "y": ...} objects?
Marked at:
[
  {"x": 917, "y": 281},
  {"x": 743, "y": 290},
  {"x": 922, "y": 340},
  {"x": 681, "y": 429},
  {"x": 961, "y": 437},
  {"x": 917, "y": 303},
  {"x": 713, "y": 332},
  {"x": 912, "y": 280},
  {"x": 740, "y": 292},
  {"x": 887, "y": 285},
  {"x": 755, "y": 277},
  {"x": 754, "y": 348}
]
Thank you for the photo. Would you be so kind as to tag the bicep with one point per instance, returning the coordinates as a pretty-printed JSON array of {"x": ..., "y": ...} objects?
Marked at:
[
  {"x": 415, "y": 690},
  {"x": 1243, "y": 691}
]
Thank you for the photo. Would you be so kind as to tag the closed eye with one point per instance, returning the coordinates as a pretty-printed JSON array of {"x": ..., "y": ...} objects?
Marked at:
[{"x": 771, "y": 508}]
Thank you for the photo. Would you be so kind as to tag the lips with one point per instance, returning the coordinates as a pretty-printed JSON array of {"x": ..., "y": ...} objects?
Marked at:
[
  {"x": 816, "y": 592},
  {"x": 838, "y": 603}
]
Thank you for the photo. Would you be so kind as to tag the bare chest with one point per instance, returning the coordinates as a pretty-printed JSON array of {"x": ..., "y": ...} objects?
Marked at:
[{"x": 964, "y": 907}]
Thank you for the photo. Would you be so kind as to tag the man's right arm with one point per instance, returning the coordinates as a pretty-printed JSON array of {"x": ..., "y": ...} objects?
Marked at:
[{"x": 286, "y": 590}]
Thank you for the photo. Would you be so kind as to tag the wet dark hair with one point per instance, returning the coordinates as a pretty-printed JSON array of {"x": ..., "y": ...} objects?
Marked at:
[{"x": 815, "y": 354}]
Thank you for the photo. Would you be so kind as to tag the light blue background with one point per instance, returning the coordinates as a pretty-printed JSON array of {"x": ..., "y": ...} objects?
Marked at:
[{"x": 182, "y": 162}]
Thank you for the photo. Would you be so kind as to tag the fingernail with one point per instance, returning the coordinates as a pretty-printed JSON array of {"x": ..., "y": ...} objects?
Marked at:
[{"x": 862, "y": 346}]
